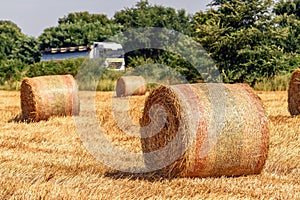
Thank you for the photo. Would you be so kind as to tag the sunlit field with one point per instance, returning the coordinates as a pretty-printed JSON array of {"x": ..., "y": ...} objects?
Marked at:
[{"x": 47, "y": 160}]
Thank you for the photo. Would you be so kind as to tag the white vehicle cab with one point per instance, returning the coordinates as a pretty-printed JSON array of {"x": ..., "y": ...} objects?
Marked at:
[{"x": 112, "y": 52}]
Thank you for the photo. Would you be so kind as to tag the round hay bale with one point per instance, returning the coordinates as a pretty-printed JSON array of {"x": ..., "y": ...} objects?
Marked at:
[
  {"x": 294, "y": 93},
  {"x": 130, "y": 85},
  {"x": 199, "y": 138},
  {"x": 45, "y": 96}
]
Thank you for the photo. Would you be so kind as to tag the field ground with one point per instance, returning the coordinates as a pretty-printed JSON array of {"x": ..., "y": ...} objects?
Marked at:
[{"x": 47, "y": 160}]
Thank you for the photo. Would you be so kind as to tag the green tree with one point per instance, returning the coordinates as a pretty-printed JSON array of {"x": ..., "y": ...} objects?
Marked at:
[
  {"x": 144, "y": 14},
  {"x": 16, "y": 45},
  {"x": 288, "y": 19},
  {"x": 83, "y": 17},
  {"x": 288, "y": 7},
  {"x": 240, "y": 35},
  {"x": 10, "y": 33},
  {"x": 141, "y": 39},
  {"x": 77, "y": 29},
  {"x": 26, "y": 50}
]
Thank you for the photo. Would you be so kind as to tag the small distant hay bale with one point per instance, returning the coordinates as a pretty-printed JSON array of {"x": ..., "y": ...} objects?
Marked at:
[
  {"x": 130, "y": 85},
  {"x": 45, "y": 96},
  {"x": 194, "y": 140},
  {"x": 294, "y": 93}
]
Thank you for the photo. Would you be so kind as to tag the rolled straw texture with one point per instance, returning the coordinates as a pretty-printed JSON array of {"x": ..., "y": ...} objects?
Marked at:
[
  {"x": 130, "y": 85},
  {"x": 45, "y": 96},
  {"x": 197, "y": 141},
  {"x": 294, "y": 93}
]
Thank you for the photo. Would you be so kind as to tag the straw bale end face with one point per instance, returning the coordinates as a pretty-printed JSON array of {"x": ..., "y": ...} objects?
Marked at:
[
  {"x": 28, "y": 101},
  {"x": 294, "y": 93},
  {"x": 130, "y": 85},
  {"x": 46, "y": 96},
  {"x": 205, "y": 132}
]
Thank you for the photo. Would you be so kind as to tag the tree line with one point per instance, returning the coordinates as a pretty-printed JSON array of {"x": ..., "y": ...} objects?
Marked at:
[{"x": 249, "y": 40}]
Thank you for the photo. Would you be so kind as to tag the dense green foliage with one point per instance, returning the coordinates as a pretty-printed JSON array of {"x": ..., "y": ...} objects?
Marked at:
[
  {"x": 288, "y": 19},
  {"x": 13, "y": 71},
  {"x": 145, "y": 15},
  {"x": 239, "y": 36},
  {"x": 78, "y": 29},
  {"x": 150, "y": 45},
  {"x": 249, "y": 41},
  {"x": 15, "y": 45}
]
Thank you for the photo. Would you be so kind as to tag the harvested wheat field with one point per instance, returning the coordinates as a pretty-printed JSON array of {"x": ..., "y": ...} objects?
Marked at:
[{"x": 47, "y": 160}]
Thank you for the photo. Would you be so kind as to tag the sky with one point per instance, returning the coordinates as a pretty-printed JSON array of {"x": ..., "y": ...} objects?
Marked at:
[{"x": 33, "y": 16}]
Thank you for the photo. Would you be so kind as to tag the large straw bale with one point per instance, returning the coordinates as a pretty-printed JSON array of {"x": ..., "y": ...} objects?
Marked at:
[
  {"x": 130, "y": 85},
  {"x": 195, "y": 140},
  {"x": 294, "y": 93},
  {"x": 45, "y": 96}
]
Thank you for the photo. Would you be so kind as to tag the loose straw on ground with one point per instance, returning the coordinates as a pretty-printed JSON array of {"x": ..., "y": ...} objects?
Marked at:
[
  {"x": 294, "y": 93},
  {"x": 208, "y": 130},
  {"x": 130, "y": 85},
  {"x": 46, "y": 96}
]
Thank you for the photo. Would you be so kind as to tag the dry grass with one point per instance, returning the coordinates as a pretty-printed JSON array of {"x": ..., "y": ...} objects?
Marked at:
[{"x": 46, "y": 160}]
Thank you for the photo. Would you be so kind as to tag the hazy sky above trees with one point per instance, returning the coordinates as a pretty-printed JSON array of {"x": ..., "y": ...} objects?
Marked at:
[{"x": 33, "y": 16}]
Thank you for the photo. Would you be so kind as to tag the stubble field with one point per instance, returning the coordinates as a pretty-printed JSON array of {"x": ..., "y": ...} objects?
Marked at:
[{"x": 47, "y": 160}]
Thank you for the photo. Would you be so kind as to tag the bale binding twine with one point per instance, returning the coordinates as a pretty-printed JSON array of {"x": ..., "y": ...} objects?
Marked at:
[
  {"x": 130, "y": 85},
  {"x": 294, "y": 93},
  {"x": 194, "y": 140},
  {"x": 45, "y": 96}
]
